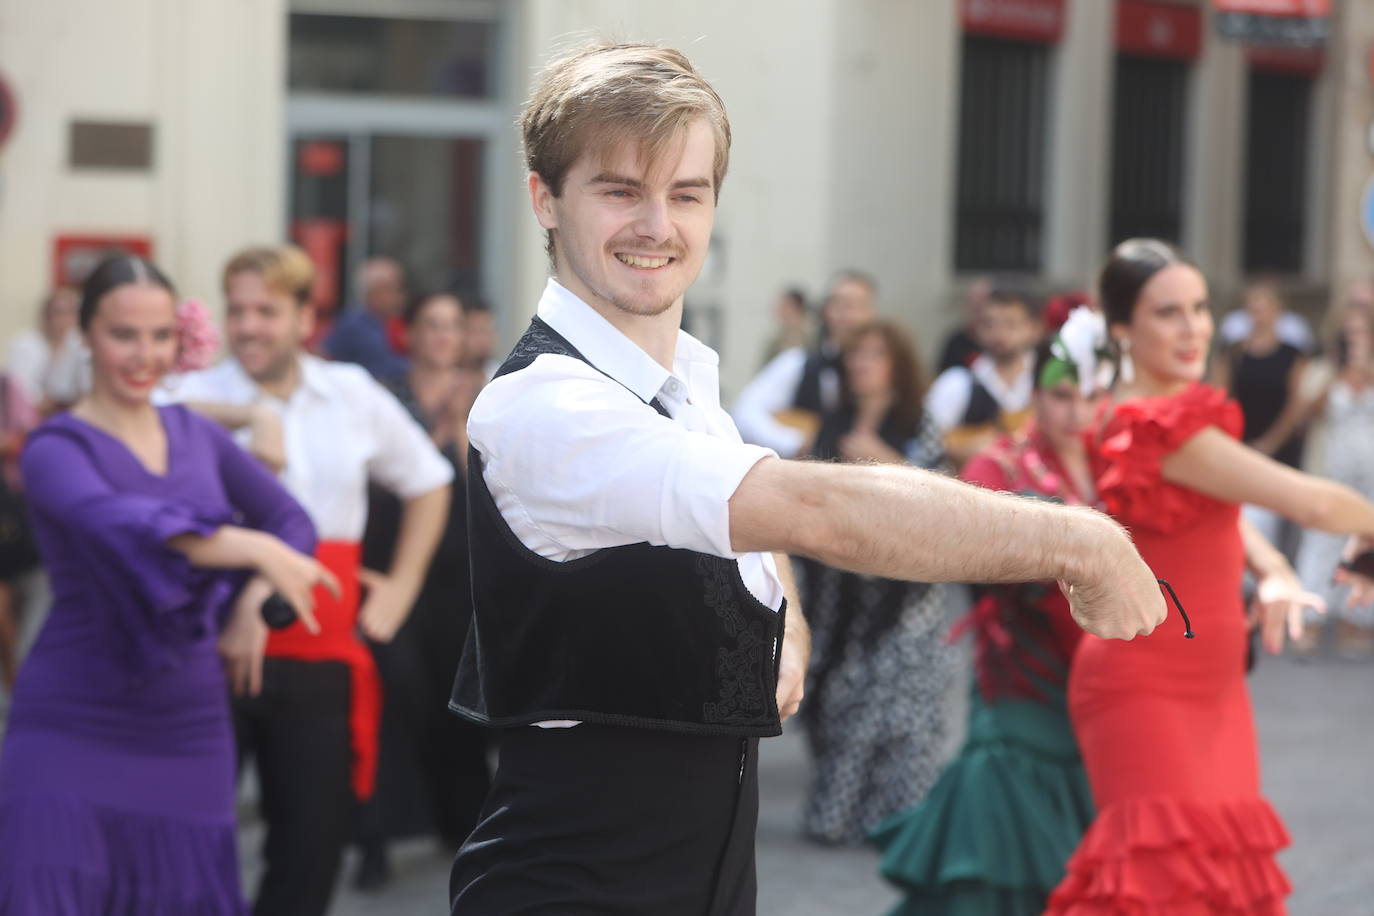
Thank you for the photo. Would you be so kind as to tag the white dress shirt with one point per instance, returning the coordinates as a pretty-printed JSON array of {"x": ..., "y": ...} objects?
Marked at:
[
  {"x": 60, "y": 375},
  {"x": 949, "y": 395},
  {"x": 772, "y": 390},
  {"x": 576, "y": 463},
  {"x": 1291, "y": 328},
  {"x": 341, "y": 428}
]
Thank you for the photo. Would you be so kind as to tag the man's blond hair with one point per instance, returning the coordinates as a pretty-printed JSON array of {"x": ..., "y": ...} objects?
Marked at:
[
  {"x": 603, "y": 95},
  {"x": 284, "y": 268}
]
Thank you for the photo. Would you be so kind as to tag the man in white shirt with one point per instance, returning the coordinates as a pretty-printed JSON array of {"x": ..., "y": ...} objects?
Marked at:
[
  {"x": 310, "y": 715},
  {"x": 973, "y": 405},
  {"x": 781, "y": 407},
  {"x": 626, "y": 545}
]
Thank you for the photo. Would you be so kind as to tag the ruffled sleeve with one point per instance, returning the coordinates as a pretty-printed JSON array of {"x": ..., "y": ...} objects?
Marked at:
[
  {"x": 118, "y": 540},
  {"x": 1134, "y": 443}
]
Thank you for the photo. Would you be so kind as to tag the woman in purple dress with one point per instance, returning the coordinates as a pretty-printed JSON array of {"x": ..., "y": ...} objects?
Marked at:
[{"x": 117, "y": 773}]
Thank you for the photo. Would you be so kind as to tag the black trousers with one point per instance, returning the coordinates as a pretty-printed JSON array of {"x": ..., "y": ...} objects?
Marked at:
[
  {"x": 432, "y": 775},
  {"x": 297, "y": 733},
  {"x": 602, "y": 821}
]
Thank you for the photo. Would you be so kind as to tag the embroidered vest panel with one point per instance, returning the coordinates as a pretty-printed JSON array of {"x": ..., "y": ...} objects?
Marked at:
[{"x": 643, "y": 636}]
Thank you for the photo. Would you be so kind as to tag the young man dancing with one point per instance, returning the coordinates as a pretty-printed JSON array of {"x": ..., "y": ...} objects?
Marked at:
[{"x": 626, "y": 598}]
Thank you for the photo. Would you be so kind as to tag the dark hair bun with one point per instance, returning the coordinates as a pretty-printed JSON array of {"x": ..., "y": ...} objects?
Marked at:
[
  {"x": 1128, "y": 269},
  {"x": 115, "y": 271}
]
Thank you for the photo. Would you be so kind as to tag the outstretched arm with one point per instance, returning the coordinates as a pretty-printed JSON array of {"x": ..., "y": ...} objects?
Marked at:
[
  {"x": 1213, "y": 463},
  {"x": 904, "y": 523}
]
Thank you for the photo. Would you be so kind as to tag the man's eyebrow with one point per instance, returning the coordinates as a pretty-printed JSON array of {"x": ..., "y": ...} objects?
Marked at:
[{"x": 612, "y": 178}]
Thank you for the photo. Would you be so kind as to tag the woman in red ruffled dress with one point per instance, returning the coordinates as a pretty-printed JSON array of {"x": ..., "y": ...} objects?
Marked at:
[{"x": 1165, "y": 724}]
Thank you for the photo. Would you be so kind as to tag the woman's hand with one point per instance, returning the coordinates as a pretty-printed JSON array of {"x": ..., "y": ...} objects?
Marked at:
[
  {"x": 1279, "y": 606},
  {"x": 294, "y": 576},
  {"x": 244, "y": 638}
]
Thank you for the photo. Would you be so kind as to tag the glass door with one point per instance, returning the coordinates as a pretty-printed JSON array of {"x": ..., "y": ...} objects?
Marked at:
[
  {"x": 413, "y": 198},
  {"x": 397, "y": 128}
]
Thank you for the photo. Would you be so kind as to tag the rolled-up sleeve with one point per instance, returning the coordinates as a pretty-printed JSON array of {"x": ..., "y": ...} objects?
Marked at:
[
  {"x": 406, "y": 461},
  {"x": 584, "y": 464}
]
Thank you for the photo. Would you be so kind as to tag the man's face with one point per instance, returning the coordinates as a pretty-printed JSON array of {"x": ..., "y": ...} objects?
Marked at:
[
  {"x": 849, "y": 305},
  {"x": 384, "y": 287},
  {"x": 265, "y": 328},
  {"x": 628, "y": 234},
  {"x": 60, "y": 313},
  {"x": 1006, "y": 330},
  {"x": 479, "y": 337}
]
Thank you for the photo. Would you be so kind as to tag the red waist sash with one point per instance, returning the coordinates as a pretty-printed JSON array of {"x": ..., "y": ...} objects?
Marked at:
[{"x": 338, "y": 641}]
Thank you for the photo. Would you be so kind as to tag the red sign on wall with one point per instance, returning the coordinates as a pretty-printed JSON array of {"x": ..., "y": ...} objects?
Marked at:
[
  {"x": 1150, "y": 29},
  {"x": 323, "y": 240},
  {"x": 1020, "y": 20},
  {"x": 75, "y": 256}
]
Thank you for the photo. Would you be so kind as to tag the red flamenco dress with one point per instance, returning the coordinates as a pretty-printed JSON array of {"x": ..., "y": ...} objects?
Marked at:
[{"x": 1165, "y": 724}]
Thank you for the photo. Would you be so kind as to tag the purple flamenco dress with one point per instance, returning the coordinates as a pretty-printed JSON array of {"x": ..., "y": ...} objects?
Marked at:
[{"x": 117, "y": 772}]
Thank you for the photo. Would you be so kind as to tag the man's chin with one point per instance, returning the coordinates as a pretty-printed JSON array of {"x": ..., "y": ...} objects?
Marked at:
[{"x": 642, "y": 306}]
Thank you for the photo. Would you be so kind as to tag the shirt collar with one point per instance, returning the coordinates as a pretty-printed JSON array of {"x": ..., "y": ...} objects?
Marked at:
[
  {"x": 314, "y": 378},
  {"x": 605, "y": 347}
]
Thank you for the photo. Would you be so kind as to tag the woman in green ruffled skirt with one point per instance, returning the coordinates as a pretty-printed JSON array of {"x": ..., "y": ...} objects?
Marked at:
[{"x": 992, "y": 836}]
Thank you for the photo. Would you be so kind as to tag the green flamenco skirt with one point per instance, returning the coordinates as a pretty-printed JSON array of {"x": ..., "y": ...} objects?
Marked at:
[{"x": 994, "y": 833}]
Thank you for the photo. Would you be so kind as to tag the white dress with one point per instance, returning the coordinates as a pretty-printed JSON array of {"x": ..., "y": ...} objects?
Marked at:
[{"x": 1348, "y": 450}]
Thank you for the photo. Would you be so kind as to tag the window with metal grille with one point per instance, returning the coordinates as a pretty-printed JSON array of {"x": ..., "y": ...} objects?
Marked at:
[
  {"x": 1276, "y": 172},
  {"x": 1000, "y": 204},
  {"x": 1147, "y": 148}
]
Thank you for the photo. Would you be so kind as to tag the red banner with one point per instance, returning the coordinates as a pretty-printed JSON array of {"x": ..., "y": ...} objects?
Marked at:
[
  {"x": 1040, "y": 21},
  {"x": 1145, "y": 28}
]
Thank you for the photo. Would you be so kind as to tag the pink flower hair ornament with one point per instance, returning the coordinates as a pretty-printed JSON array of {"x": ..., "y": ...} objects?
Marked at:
[{"x": 198, "y": 336}]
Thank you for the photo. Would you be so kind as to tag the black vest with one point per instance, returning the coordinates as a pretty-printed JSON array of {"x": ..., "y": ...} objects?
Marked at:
[
  {"x": 982, "y": 406},
  {"x": 811, "y": 392},
  {"x": 653, "y": 637}
]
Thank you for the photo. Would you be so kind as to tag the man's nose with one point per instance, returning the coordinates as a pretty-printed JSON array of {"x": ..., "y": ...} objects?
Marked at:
[{"x": 651, "y": 220}]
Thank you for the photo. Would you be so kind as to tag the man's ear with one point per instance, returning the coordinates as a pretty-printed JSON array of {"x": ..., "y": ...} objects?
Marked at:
[
  {"x": 306, "y": 320},
  {"x": 541, "y": 200}
]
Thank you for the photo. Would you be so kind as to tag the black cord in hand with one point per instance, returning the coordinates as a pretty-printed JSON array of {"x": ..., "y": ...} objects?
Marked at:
[{"x": 1187, "y": 624}]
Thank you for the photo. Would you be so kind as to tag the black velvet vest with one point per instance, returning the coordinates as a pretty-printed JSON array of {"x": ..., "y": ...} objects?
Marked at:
[{"x": 644, "y": 636}]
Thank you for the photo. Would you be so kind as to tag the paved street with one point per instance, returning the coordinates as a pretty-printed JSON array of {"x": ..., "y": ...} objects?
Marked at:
[{"x": 1316, "y": 724}]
